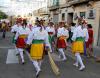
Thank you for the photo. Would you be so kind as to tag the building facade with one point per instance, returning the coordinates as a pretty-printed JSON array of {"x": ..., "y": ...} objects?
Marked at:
[
  {"x": 54, "y": 10},
  {"x": 69, "y": 10},
  {"x": 90, "y": 10}
]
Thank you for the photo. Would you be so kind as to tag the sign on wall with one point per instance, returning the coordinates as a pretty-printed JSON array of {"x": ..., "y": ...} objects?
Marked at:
[{"x": 91, "y": 14}]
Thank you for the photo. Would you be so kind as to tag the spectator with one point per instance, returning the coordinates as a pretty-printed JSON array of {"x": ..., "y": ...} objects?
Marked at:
[
  {"x": 89, "y": 43},
  {"x": 4, "y": 27},
  {"x": 71, "y": 30},
  {"x": 0, "y": 25}
]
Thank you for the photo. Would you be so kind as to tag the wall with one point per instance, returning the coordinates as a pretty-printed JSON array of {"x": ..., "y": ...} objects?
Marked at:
[
  {"x": 61, "y": 11},
  {"x": 97, "y": 21},
  {"x": 61, "y": 2},
  {"x": 94, "y": 22}
]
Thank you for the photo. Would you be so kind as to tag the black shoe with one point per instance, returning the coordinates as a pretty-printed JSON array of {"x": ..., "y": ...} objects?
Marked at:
[
  {"x": 17, "y": 54},
  {"x": 37, "y": 74},
  {"x": 23, "y": 63},
  {"x": 23, "y": 52}
]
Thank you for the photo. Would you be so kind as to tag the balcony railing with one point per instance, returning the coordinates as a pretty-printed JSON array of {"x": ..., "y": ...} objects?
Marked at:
[
  {"x": 71, "y": 2},
  {"x": 55, "y": 5}
]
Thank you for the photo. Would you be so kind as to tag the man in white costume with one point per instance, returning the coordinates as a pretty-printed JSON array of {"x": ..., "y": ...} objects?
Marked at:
[
  {"x": 62, "y": 35},
  {"x": 14, "y": 29},
  {"x": 51, "y": 32},
  {"x": 21, "y": 37},
  {"x": 78, "y": 44},
  {"x": 38, "y": 38}
]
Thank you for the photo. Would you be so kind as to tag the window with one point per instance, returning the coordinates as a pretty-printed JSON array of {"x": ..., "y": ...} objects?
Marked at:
[
  {"x": 63, "y": 16},
  {"x": 83, "y": 14},
  {"x": 56, "y": 2}
]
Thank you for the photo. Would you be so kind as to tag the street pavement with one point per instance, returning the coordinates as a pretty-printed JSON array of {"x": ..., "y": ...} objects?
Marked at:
[{"x": 10, "y": 66}]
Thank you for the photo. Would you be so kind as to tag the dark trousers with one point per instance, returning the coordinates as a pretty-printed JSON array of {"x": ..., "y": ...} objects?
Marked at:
[{"x": 4, "y": 34}]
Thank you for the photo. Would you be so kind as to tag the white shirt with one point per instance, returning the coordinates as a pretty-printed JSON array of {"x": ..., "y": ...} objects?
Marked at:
[
  {"x": 62, "y": 32},
  {"x": 86, "y": 35},
  {"x": 72, "y": 29},
  {"x": 38, "y": 35},
  {"x": 14, "y": 28},
  {"x": 22, "y": 31},
  {"x": 50, "y": 29},
  {"x": 78, "y": 32}
]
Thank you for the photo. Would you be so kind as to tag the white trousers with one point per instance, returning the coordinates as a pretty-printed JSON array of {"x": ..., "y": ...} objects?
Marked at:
[
  {"x": 17, "y": 52},
  {"x": 21, "y": 54},
  {"x": 37, "y": 64},
  {"x": 79, "y": 59},
  {"x": 61, "y": 52}
]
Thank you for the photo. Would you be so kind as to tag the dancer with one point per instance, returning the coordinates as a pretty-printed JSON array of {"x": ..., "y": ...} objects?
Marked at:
[
  {"x": 38, "y": 38},
  {"x": 21, "y": 37},
  {"x": 51, "y": 31},
  {"x": 14, "y": 30},
  {"x": 78, "y": 44},
  {"x": 62, "y": 35}
]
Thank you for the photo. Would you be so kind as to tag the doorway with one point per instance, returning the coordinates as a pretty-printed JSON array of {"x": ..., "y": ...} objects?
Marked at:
[{"x": 70, "y": 18}]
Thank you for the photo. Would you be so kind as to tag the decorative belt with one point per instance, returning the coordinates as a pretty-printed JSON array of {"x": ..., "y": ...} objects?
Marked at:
[
  {"x": 37, "y": 41},
  {"x": 50, "y": 33},
  {"x": 79, "y": 39},
  {"x": 62, "y": 37},
  {"x": 23, "y": 36}
]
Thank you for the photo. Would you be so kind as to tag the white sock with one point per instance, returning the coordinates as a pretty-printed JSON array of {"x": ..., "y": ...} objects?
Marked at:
[
  {"x": 17, "y": 52},
  {"x": 76, "y": 61},
  {"x": 50, "y": 48},
  {"x": 62, "y": 53},
  {"x": 40, "y": 62},
  {"x": 36, "y": 65},
  {"x": 79, "y": 59},
  {"x": 21, "y": 55},
  {"x": 53, "y": 49}
]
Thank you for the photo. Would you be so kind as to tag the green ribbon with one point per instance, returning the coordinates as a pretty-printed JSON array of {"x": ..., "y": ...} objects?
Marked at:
[
  {"x": 37, "y": 41},
  {"x": 79, "y": 39}
]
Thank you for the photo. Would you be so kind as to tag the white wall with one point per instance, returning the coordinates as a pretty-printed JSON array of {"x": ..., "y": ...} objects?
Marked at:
[
  {"x": 60, "y": 15},
  {"x": 50, "y": 3},
  {"x": 62, "y": 2}
]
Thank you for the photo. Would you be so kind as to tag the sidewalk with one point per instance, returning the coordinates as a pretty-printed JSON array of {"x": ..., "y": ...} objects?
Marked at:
[
  {"x": 69, "y": 53},
  {"x": 96, "y": 51}
]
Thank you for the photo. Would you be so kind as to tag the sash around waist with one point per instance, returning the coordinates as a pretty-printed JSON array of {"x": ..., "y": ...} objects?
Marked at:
[
  {"x": 22, "y": 36},
  {"x": 79, "y": 39},
  {"x": 50, "y": 33},
  {"x": 37, "y": 41},
  {"x": 62, "y": 37}
]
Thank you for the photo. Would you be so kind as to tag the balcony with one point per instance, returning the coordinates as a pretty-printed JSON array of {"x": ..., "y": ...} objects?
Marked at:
[
  {"x": 53, "y": 8},
  {"x": 74, "y": 2},
  {"x": 55, "y": 5}
]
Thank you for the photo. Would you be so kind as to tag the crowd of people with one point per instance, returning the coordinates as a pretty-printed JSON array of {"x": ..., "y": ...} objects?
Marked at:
[
  {"x": 39, "y": 39},
  {"x": 4, "y": 26}
]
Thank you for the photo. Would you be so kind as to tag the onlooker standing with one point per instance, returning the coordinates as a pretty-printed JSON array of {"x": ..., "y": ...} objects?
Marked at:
[
  {"x": 86, "y": 36},
  {"x": 71, "y": 30},
  {"x": 0, "y": 25},
  {"x": 4, "y": 26},
  {"x": 89, "y": 43}
]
